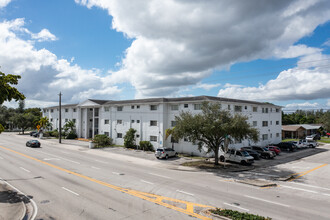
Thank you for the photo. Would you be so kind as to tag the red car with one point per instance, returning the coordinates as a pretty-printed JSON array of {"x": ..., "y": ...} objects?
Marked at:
[{"x": 275, "y": 149}]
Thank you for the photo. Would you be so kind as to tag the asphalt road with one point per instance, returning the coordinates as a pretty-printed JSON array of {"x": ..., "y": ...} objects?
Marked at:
[{"x": 71, "y": 182}]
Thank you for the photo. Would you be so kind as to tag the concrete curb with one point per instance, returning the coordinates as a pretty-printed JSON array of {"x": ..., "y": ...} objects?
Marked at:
[
  {"x": 20, "y": 208},
  {"x": 257, "y": 182}
]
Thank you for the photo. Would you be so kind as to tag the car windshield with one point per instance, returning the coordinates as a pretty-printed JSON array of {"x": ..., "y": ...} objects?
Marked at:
[
  {"x": 245, "y": 153},
  {"x": 265, "y": 149},
  {"x": 160, "y": 149},
  {"x": 34, "y": 141}
]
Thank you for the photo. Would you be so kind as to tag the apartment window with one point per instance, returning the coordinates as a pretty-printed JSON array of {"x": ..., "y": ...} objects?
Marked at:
[
  {"x": 153, "y": 107},
  {"x": 137, "y": 106},
  {"x": 119, "y": 121},
  {"x": 153, "y": 123},
  {"x": 132, "y": 107},
  {"x": 277, "y": 110},
  {"x": 228, "y": 107},
  {"x": 51, "y": 110},
  {"x": 277, "y": 122},
  {"x": 271, "y": 135},
  {"x": 107, "y": 133},
  {"x": 173, "y": 123},
  {"x": 132, "y": 121},
  {"x": 119, "y": 108},
  {"x": 74, "y": 110},
  {"x": 255, "y": 123},
  {"x": 91, "y": 109},
  {"x": 265, "y": 137},
  {"x": 277, "y": 135},
  {"x": 185, "y": 139},
  {"x": 137, "y": 136},
  {"x": 197, "y": 106},
  {"x": 51, "y": 119},
  {"x": 44, "y": 110},
  {"x": 238, "y": 108},
  {"x": 185, "y": 105},
  {"x": 271, "y": 122},
  {"x": 47, "y": 110},
  {"x": 66, "y": 120},
  {"x": 245, "y": 107},
  {"x": 106, "y": 121},
  {"x": 119, "y": 135},
  {"x": 106, "y": 109},
  {"x": 264, "y": 123},
  {"x": 66, "y": 110},
  {"x": 255, "y": 109},
  {"x": 264, "y": 110},
  {"x": 174, "y": 107},
  {"x": 74, "y": 120},
  {"x": 153, "y": 138},
  {"x": 137, "y": 121}
]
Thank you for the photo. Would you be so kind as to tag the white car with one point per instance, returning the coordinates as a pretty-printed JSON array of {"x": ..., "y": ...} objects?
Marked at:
[
  {"x": 300, "y": 144},
  {"x": 165, "y": 153},
  {"x": 239, "y": 156},
  {"x": 310, "y": 143}
]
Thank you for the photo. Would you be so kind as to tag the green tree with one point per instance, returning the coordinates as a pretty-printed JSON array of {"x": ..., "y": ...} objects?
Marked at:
[
  {"x": 325, "y": 120},
  {"x": 213, "y": 127},
  {"x": 7, "y": 91},
  {"x": 129, "y": 138},
  {"x": 44, "y": 123},
  {"x": 70, "y": 126},
  {"x": 21, "y": 106}
]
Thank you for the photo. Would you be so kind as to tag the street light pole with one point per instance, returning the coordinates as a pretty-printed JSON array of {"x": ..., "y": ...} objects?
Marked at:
[{"x": 60, "y": 118}]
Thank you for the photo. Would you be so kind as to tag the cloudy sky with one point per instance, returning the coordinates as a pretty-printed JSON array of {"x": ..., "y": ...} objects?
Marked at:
[{"x": 276, "y": 51}]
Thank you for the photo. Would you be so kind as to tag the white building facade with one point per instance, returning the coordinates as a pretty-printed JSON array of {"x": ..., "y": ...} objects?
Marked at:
[{"x": 151, "y": 117}]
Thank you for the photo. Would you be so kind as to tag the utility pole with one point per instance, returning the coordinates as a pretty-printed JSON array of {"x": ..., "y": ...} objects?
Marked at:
[{"x": 60, "y": 122}]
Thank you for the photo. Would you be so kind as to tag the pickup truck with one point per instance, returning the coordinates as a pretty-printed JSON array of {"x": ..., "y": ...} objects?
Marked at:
[
  {"x": 235, "y": 155},
  {"x": 309, "y": 143}
]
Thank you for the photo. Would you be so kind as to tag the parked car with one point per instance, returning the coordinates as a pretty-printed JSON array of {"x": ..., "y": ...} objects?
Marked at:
[
  {"x": 252, "y": 153},
  {"x": 265, "y": 153},
  {"x": 165, "y": 153},
  {"x": 313, "y": 137},
  {"x": 275, "y": 149},
  {"x": 287, "y": 146},
  {"x": 300, "y": 144},
  {"x": 33, "y": 133},
  {"x": 235, "y": 155},
  {"x": 33, "y": 143},
  {"x": 310, "y": 143}
]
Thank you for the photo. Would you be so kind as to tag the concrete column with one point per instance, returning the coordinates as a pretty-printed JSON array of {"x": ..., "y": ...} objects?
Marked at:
[
  {"x": 93, "y": 123},
  {"x": 86, "y": 122}
]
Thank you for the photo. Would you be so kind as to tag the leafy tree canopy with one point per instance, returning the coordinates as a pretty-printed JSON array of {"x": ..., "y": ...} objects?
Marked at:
[
  {"x": 7, "y": 91},
  {"x": 213, "y": 128}
]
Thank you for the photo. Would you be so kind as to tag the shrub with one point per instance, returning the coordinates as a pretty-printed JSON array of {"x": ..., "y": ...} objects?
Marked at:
[
  {"x": 236, "y": 215},
  {"x": 146, "y": 146},
  {"x": 71, "y": 135},
  {"x": 129, "y": 138},
  {"x": 102, "y": 140},
  {"x": 52, "y": 133}
]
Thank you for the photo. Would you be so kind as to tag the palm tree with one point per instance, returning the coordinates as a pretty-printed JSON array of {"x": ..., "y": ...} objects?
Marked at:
[{"x": 70, "y": 125}]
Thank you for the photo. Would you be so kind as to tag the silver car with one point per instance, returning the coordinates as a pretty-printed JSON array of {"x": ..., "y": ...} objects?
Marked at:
[{"x": 165, "y": 153}]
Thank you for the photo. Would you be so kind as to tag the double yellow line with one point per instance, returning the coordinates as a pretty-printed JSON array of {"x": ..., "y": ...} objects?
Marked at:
[{"x": 160, "y": 200}]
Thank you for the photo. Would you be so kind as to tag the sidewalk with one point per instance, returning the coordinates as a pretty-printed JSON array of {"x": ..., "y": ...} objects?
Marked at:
[{"x": 12, "y": 204}]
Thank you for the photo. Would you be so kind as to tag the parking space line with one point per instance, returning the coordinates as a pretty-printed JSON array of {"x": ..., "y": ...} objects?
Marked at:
[
  {"x": 235, "y": 206},
  {"x": 97, "y": 168},
  {"x": 70, "y": 191},
  {"x": 264, "y": 200},
  {"x": 25, "y": 170},
  {"x": 166, "y": 177}
]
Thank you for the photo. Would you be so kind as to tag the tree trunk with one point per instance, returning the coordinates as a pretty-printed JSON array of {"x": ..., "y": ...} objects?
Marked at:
[{"x": 216, "y": 156}]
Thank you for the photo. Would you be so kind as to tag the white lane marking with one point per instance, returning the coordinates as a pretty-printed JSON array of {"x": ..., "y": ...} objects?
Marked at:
[
  {"x": 101, "y": 161},
  {"x": 236, "y": 206},
  {"x": 166, "y": 177},
  {"x": 147, "y": 182},
  {"x": 116, "y": 173},
  {"x": 35, "y": 207},
  {"x": 97, "y": 168},
  {"x": 70, "y": 191},
  {"x": 325, "y": 194},
  {"x": 318, "y": 187},
  {"x": 276, "y": 203},
  {"x": 25, "y": 170},
  {"x": 51, "y": 159},
  {"x": 58, "y": 157},
  {"x": 306, "y": 190},
  {"x": 1, "y": 158},
  {"x": 185, "y": 192}
]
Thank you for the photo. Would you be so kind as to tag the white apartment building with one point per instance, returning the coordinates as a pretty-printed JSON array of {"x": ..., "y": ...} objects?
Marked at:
[{"x": 151, "y": 117}]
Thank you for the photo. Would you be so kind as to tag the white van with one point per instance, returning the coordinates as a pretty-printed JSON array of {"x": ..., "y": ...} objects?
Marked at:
[{"x": 239, "y": 156}]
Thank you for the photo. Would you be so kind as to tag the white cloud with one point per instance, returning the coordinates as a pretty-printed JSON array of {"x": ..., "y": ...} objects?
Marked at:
[
  {"x": 328, "y": 104},
  {"x": 206, "y": 86},
  {"x": 327, "y": 43},
  {"x": 43, "y": 74},
  {"x": 4, "y": 3},
  {"x": 302, "y": 105},
  {"x": 44, "y": 35},
  {"x": 179, "y": 43},
  {"x": 308, "y": 81}
]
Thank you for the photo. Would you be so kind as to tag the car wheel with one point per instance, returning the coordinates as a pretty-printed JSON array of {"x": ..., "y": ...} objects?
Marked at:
[
  {"x": 268, "y": 157},
  {"x": 176, "y": 154},
  {"x": 243, "y": 162},
  {"x": 311, "y": 146},
  {"x": 222, "y": 158},
  {"x": 166, "y": 156}
]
